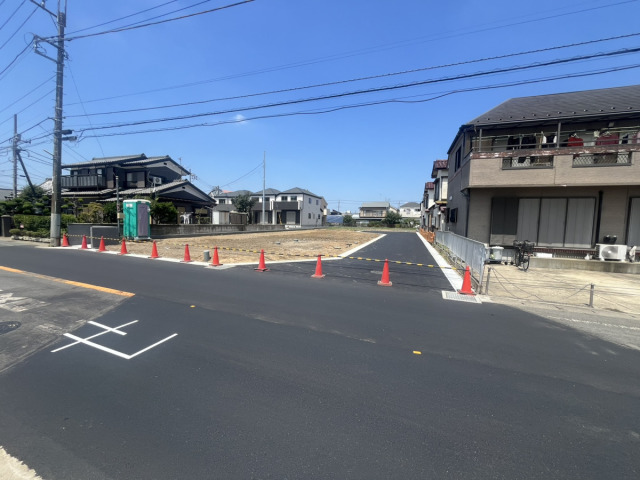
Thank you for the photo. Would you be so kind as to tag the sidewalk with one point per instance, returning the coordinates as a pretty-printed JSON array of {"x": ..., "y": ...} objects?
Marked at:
[{"x": 613, "y": 292}]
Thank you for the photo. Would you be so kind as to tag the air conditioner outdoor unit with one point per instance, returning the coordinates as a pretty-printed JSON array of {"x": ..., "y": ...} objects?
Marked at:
[
  {"x": 157, "y": 181},
  {"x": 612, "y": 252}
]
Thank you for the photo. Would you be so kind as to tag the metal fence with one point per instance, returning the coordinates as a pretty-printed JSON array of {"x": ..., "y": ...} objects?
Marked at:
[{"x": 465, "y": 251}]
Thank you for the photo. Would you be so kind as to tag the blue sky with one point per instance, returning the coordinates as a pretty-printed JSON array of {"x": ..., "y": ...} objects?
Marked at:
[{"x": 350, "y": 148}]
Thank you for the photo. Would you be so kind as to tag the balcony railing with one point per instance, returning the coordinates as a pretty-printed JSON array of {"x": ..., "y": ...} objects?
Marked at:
[
  {"x": 534, "y": 161},
  {"x": 602, "y": 159},
  {"x": 83, "y": 181},
  {"x": 605, "y": 138}
]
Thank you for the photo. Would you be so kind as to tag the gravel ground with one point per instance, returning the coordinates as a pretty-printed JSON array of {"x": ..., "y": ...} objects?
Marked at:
[{"x": 245, "y": 248}]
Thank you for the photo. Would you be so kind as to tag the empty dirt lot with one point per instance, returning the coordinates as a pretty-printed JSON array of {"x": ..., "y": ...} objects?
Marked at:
[{"x": 245, "y": 247}]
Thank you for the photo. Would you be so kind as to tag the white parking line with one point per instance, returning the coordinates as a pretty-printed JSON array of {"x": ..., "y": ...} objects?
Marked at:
[
  {"x": 94, "y": 336},
  {"x": 107, "y": 329}
]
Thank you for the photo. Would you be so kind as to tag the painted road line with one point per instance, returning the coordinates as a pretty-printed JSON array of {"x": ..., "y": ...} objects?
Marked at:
[
  {"x": 114, "y": 330},
  {"x": 454, "y": 278},
  {"x": 98, "y": 346},
  {"x": 154, "y": 345},
  {"x": 93, "y": 336},
  {"x": 69, "y": 282},
  {"x": 86, "y": 341}
]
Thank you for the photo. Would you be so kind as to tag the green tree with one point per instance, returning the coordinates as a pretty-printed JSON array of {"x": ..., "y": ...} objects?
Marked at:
[
  {"x": 110, "y": 211},
  {"x": 243, "y": 204},
  {"x": 163, "y": 212},
  {"x": 391, "y": 218},
  {"x": 348, "y": 221}
]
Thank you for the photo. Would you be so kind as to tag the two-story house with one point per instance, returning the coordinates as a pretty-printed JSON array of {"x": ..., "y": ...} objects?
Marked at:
[
  {"x": 561, "y": 170},
  {"x": 426, "y": 204},
  {"x": 374, "y": 212},
  {"x": 410, "y": 210},
  {"x": 132, "y": 176},
  {"x": 436, "y": 213},
  {"x": 295, "y": 207}
]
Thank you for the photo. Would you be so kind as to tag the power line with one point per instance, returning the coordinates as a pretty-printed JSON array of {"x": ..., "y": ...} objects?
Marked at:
[
  {"x": 369, "y": 90},
  {"x": 18, "y": 29},
  {"x": 12, "y": 15},
  {"x": 27, "y": 94},
  {"x": 371, "y": 77},
  {"x": 122, "y": 18},
  {"x": 134, "y": 27},
  {"x": 373, "y": 103}
]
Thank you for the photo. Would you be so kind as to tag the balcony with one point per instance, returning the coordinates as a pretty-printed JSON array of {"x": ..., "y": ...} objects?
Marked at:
[
  {"x": 97, "y": 182},
  {"x": 601, "y": 159},
  {"x": 532, "y": 161}
]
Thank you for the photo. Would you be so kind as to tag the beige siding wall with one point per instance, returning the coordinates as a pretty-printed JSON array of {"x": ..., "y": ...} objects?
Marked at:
[
  {"x": 613, "y": 220},
  {"x": 488, "y": 172}
]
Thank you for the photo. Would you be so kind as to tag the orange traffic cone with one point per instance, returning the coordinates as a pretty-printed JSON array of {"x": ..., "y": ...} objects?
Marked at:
[
  {"x": 84, "y": 242},
  {"x": 102, "y": 248},
  {"x": 318, "y": 273},
  {"x": 384, "y": 281},
  {"x": 261, "y": 266},
  {"x": 466, "y": 283},
  {"x": 216, "y": 260},
  {"x": 187, "y": 256},
  {"x": 154, "y": 251},
  {"x": 65, "y": 241},
  {"x": 123, "y": 248}
]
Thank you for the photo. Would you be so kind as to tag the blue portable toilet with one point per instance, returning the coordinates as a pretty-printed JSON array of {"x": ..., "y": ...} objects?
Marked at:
[{"x": 137, "y": 219}]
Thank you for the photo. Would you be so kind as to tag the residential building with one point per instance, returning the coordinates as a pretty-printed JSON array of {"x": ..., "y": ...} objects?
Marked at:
[
  {"x": 436, "y": 214},
  {"x": 132, "y": 176},
  {"x": 295, "y": 207},
  {"x": 373, "y": 212},
  {"x": 410, "y": 210},
  {"x": 561, "y": 170},
  {"x": 426, "y": 204}
]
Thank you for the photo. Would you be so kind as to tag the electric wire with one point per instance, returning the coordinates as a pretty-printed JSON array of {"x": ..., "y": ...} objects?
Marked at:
[
  {"x": 381, "y": 102},
  {"x": 27, "y": 94},
  {"x": 134, "y": 27},
  {"x": 18, "y": 29},
  {"x": 384, "y": 88},
  {"x": 370, "y": 77},
  {"x": 13, "y": 14}
]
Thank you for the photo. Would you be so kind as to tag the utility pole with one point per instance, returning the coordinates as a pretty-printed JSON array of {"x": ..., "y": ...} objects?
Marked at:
[
  {"x": 264, "y": 174},
  {"x": 56, "y": 194},
  {"x": 15, "y": 156}
]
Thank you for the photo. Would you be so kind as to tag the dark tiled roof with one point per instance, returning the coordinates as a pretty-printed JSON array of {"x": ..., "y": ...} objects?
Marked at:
[
  {"x": 587, "y": 103},
  {"x": 300, "y": 190},
  {"x": 106, "y": 161},
  {"x": 440, "y": 164}
]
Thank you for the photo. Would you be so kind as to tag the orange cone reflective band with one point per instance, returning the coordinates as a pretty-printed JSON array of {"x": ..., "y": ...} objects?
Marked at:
[
  {"x": 187, "y": 256},
  {"x": 318, "y": 273},
  {"x": 123, "y": 248},
  {"x": 261, "y": 266},
  {"x": 154, "y": 250},
  {"x": 65, "y": 241},
  {"x": 216, "y": 260},
  {"x": 102, "y": 248},
  {"x": 84, "y": 242},
  {"x": 384, "y": 281},
  {"x": 466, "y": 283}
]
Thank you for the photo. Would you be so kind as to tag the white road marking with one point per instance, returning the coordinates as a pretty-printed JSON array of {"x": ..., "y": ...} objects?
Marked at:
[
  {"x": 107, "y": 329},
  {"x": 96, "y": 335}
]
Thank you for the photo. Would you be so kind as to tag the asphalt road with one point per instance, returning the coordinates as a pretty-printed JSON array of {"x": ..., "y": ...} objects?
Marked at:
[{"x": 278, "y": 375}]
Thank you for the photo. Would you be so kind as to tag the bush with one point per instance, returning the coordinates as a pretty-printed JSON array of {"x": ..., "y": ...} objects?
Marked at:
[
  {"x": 32, "y": 222},
  {"x": 15, "y": 231}
]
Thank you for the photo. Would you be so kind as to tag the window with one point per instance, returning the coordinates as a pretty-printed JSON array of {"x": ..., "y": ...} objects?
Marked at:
[
  {"x": 458, "y": 159},
  {"x": 318, "y": 216},
  {"x": 222, "y": 201},
  {"x": 309, "y": 216},
  {"x": 453, "y": 215},
  {"x": 309, "y": 200},
  {"x": 293, "y": 198},
  {"x": 317, "y": 202},
  {"x": 283, "y": 198}
]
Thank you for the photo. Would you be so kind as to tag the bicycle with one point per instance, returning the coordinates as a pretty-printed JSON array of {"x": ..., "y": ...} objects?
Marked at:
[{"x": 523, "y": 251}]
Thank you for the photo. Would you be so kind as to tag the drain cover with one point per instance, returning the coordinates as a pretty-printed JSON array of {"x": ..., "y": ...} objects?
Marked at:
[
  {"x": 459, "y": 297},
  {"x": 6, "y": 327}
]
